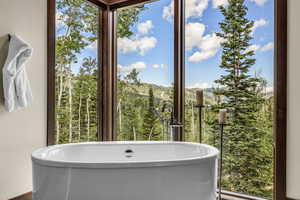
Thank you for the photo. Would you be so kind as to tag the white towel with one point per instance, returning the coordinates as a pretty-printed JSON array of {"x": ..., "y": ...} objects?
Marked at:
[{"x": 17, "y": 91}]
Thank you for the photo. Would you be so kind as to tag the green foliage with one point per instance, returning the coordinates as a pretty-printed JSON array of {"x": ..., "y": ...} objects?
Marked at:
[
  {"x": 76, "y": 114},
  {"x": 85, "y": 98},
  {"x": 78, "y": 18},
  {"x": 126, "y": 18},
  {"x": 248, "y": 155},
  {"x": 129, "y": 107},
  {"x": 150, "y": 119},
  {"x": 76, "y": 94}
]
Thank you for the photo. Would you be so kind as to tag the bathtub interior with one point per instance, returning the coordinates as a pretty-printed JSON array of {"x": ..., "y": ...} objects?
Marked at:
[{"x": 123, "y": 152}]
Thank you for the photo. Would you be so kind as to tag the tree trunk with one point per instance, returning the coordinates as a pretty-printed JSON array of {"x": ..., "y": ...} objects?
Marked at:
[
  {"x": 88, "y": 116},
  {"x": 150, "y": 135},
  {"x": 120, "y": 117},
  {"x": 193, "y": 122},
  {"x": 79, "y": 116},
  {"x": 134, "y": 133},
  {"x": 60, "y": 90},
  {"x": 70, "y": 108},
  {"x": 57, "y": 131}
]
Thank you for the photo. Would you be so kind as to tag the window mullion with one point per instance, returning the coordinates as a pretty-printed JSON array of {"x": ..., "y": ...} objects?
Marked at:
[
  {"x": 179, "y": 66},
  {"x": 108, "y": 74}
]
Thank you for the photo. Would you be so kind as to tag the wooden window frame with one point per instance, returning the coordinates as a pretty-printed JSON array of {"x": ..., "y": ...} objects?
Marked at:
[{"x": 108, "y": 71}]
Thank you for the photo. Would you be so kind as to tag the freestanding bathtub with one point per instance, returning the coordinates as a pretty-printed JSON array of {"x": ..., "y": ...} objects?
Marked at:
[{"x": 125, "y": 171}]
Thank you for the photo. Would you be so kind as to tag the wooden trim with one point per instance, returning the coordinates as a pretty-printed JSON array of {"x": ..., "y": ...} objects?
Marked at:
[
  {"x": 179, "y": 66},
  {"x": 280, "y": 88},
  {"x": 108, "y": 76},
  {"x": 101, "y": 4},
  {"x": 114, "y": 62},
  {"x": 50, "y": 72},
  {"x": 228, "y": 195},
  {"x": 26, "y": 196},
  {"x": 129, "y": 3},
  {"x": 100, "y": 78}
]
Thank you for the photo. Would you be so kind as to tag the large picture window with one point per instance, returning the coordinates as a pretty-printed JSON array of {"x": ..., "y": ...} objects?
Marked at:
[
  {"x": 76, "y": 66},
  {"x": 229, "y": 64},
  {"x": 145, "y": 72},
  {"x": 142, "y": 70}
]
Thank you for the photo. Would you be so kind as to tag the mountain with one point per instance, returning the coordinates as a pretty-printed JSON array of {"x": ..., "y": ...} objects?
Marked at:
[{"x": 164, "y": 93}]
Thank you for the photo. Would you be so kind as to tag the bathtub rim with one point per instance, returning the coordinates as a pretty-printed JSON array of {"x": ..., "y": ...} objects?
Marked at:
[{"x": 36, "y": 156}]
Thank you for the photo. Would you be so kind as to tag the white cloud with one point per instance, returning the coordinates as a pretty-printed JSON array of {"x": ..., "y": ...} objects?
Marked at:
[
  {"x": 157, "y": 66},
  {"x": 217, "y": 3},
  {"x": 259, "y": 2},
  {"x": 194, "y": 34},
  {"x": 139, "y": 45},
  {"x": 168, "y": 11},
  {"x": 207, "y": 45},
  {"x": 268, "y": 46},
  {"x": 208, "y": 48},
  {"x": 259, "y": 23},
  {"x": 253, "y": 47},
  {"x": 200, "y": 85},
  {"x": 194, "y": 8},
  {"x": 145, "y": 27},
  {"x": 137, "y": 65}
]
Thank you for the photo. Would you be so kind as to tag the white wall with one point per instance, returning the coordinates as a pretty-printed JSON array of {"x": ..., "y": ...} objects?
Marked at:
[
  {"x": 23, "y": 131},
  {"x": 293, "y": 143}
]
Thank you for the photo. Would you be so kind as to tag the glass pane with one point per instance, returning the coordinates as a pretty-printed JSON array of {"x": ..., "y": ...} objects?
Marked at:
[
  {"x": 76, "y": 71},
  {"x": 145, "y": 72},
  {"x": 229, "y": 65}
]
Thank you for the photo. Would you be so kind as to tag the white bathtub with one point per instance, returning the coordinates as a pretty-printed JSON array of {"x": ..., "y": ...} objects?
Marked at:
[{"x": 125, "y": 171}]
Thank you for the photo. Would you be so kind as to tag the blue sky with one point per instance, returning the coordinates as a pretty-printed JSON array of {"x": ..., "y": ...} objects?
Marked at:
[
  {"x": 150, "y": 49},
  {"x": 156, "y": 64}
]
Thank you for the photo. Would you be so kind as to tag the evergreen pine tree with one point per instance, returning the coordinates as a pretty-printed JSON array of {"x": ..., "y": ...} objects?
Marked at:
[
  {"x": 189, "y": 121},
  {"x": 245, "y": 163},
  {"x": 128, "y": 88},
  {"x": 150, "y": 119}
]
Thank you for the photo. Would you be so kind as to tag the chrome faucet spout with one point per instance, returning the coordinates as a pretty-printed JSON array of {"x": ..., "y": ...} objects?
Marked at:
[
  {"x": 172, "y": 129},
  {"x": 171, "y": 124}
]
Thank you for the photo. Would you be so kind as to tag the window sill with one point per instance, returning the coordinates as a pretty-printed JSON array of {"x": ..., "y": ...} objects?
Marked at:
[{"x": 227, "y": 195}]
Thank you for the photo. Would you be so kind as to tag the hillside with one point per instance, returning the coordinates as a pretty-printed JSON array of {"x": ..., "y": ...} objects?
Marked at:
[{"x": 164, "y": 93}]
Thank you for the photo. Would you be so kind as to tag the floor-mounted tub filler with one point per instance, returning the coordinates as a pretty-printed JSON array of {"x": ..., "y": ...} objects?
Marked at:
[{"x": 125, "y": 171}]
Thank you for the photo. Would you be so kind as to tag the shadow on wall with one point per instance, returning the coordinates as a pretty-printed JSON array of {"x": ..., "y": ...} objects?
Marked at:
[{"x": 4, "y": 43}]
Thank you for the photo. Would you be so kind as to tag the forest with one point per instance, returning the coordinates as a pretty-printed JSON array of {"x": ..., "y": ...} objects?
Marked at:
[{"x": 248, "y": 136}]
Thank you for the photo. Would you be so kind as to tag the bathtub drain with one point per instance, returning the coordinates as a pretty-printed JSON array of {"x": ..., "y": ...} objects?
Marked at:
[{"x": 128, "y": 153}]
